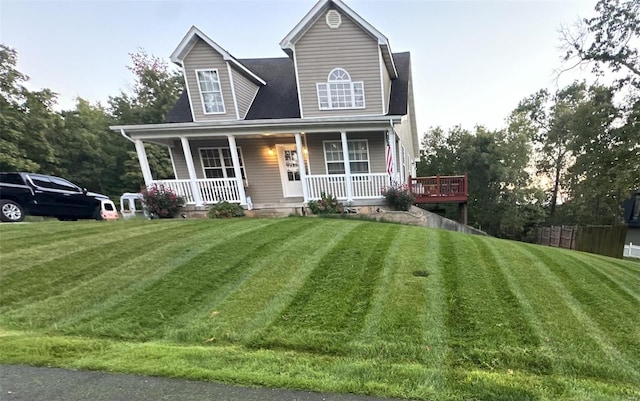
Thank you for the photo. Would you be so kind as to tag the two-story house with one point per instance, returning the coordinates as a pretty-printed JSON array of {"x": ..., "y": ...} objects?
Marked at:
[{"x": 334, "y": 116}]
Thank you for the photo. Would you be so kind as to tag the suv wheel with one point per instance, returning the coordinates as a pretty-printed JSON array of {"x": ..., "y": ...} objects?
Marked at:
[{"x": 11, "y": 211}]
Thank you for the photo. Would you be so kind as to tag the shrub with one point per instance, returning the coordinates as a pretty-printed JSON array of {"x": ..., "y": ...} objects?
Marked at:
[
  {"x": 161, "y": 201},
  {"x": 398, "y": 197},
  {"x": 327, "y": 204},
  {"x": 225, "y": 209}
]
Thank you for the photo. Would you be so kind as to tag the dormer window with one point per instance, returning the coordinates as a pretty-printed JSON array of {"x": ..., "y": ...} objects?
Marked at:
[
  {"x": 339, "y": 92},
  {"x": 210, "y": 91}
]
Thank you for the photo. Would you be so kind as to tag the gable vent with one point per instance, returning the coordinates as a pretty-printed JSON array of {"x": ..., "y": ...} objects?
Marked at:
[{"x": 333, "y": 19}]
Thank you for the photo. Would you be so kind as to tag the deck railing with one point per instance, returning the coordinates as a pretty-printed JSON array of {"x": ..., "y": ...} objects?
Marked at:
[
  {"x": 440, "y": 188},
  {"x": 212, "y": 190}
]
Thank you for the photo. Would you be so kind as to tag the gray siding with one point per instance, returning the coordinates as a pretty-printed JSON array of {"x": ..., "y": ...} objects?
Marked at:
[
  {"x": 322, "y": 49},
  {"x": 203, "y": 57},
  {"x": 245, "y": 92},
  {"x": 182, "y": 172},
  {"x": 263, "y": 172},
  {"x": 375, "y": 141}
]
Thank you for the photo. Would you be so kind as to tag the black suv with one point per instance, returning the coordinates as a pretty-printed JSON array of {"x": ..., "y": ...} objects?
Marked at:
[{"x": 44, "y": 195}]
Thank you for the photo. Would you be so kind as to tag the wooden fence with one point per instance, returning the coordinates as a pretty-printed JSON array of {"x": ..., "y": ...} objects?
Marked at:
[{"x": 603, "y": 240}]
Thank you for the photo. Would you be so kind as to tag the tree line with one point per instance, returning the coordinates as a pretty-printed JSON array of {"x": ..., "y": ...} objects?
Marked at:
[
  {"x": 567, "y": 156},
  {"x": 77, "y": 144}
]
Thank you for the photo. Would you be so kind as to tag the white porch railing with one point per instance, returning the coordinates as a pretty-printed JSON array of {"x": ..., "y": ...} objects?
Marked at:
[
  {"x": 363, "y": 186},
  {"x": 632, "y": 251},
  {"x": 212, "y": 190}
]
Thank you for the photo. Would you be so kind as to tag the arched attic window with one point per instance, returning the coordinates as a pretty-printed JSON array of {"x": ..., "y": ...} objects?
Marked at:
[{"x": 340, "y": 92}]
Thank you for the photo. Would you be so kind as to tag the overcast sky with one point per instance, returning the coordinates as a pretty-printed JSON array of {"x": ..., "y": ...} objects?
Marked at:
[{"x": 472, "y": 60}]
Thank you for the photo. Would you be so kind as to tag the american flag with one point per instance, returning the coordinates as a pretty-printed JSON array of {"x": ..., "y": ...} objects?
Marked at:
[{"x": 389, "y": 160}]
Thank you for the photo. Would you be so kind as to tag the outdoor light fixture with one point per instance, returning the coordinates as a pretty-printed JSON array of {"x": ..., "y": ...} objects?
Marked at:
[{"x": 271, "y": 150}]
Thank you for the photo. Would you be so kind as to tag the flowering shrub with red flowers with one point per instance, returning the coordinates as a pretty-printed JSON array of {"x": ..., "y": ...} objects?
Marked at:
[
  {"x": 161, "y": 201},
  {"x": 399, "y": 197}
]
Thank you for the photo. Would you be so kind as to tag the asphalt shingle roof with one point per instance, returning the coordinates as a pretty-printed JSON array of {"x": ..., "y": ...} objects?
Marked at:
[{"x": 279, "y": 97}]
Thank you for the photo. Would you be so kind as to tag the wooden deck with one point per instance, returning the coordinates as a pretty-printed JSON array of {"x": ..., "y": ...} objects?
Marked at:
[{"x": 440, "y": 189}]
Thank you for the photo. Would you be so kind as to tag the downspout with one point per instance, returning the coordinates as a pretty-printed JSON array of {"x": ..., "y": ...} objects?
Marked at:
[
  {"x": 126, "y": 136},
  {"x": 394, "y": 151}
]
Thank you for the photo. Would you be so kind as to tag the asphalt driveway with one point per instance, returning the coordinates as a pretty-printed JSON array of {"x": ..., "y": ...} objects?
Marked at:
[{"x": 27, "y": 383}]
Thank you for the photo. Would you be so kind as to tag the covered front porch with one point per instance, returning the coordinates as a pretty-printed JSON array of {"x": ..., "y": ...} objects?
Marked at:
[{"x": 275, "y": 167}]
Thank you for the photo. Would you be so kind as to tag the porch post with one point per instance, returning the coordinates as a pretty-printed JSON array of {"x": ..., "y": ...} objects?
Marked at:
[
  {"x": 195, "y": 191},
  {"x": 303, "y": 169},
  {"x": 144, "y": 163},
  {"x": 347, "y": 166},
  {"x": 236, "y": 168}
]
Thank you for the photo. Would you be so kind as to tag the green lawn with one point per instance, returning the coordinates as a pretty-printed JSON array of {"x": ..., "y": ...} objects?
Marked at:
[{"x": 322, "y": 304}]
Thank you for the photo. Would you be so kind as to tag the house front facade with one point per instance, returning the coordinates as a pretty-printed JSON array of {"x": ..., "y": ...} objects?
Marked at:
[{"x": 334, "y": 116}]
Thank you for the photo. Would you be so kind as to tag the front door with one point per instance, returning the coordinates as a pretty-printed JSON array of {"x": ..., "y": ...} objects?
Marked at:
[{"x": 289, "y": 170}]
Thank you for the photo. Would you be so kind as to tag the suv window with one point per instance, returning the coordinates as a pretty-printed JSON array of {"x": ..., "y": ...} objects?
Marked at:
[
  {"x": 59, "y": 183},
  {"x": 11, "y": 178},
  {"x": 41, "y": 181}
]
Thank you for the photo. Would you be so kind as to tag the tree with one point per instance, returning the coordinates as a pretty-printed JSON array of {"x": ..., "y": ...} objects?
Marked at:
[
  {"x": 609, "y": 40},
  {"x": 27, "y": 120},
  {"x": 155, "y": 91},
  {"x": 607, "y": 161},
  {"x": 587, "y": 147},
  {"x": 501, "y": 200},
  {"x": 552, "y": 127},
  {"x": 89, "y": 153}
]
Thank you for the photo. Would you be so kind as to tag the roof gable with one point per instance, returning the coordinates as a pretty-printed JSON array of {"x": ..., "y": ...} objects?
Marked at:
[
  {"x": 287, "y": 44},
  {"x": 192, "y": 37},
  {"x": 279, "y": 99}
]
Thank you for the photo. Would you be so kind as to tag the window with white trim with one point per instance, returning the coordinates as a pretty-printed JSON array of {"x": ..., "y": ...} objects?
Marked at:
[
  {"x": 358, "y": 156},
  {"x": 218, "y": 163},
  {"x": 210, "y": 91},
  {"x": 340, "y": 92}
]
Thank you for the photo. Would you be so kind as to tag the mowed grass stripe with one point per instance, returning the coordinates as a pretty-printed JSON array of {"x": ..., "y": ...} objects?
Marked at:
[
  {"x": 235, "y": 315},
  {"x": 508, "y": 322},
  {"x": 611, "y": 320},
  {"x": 24, "y": 258},
  {"x": 613, "y": 296},
  {"x": 394, "y": 326},
  {"x": 625, "y": 268},
  {"x": 475, "y": 317},
  {"x": 332, "y": 305},
  {"x": 406, "y": 321},
  {"x": 90, "y": 297},
  {"x": 30, "y": 234},
  {"x": 78, "y": 264},
  {"x": 494, "y": 333},
  {"x": 517, "y": 271},
  {"x": 565, "y": 341},
  {"x": 580, "y": 345},
  {"x": 21, "y": 236},
  {"x": 148, "y": 313},
  {"x": 611, "y": 277},
  {"x": 305, "y": 264}
]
